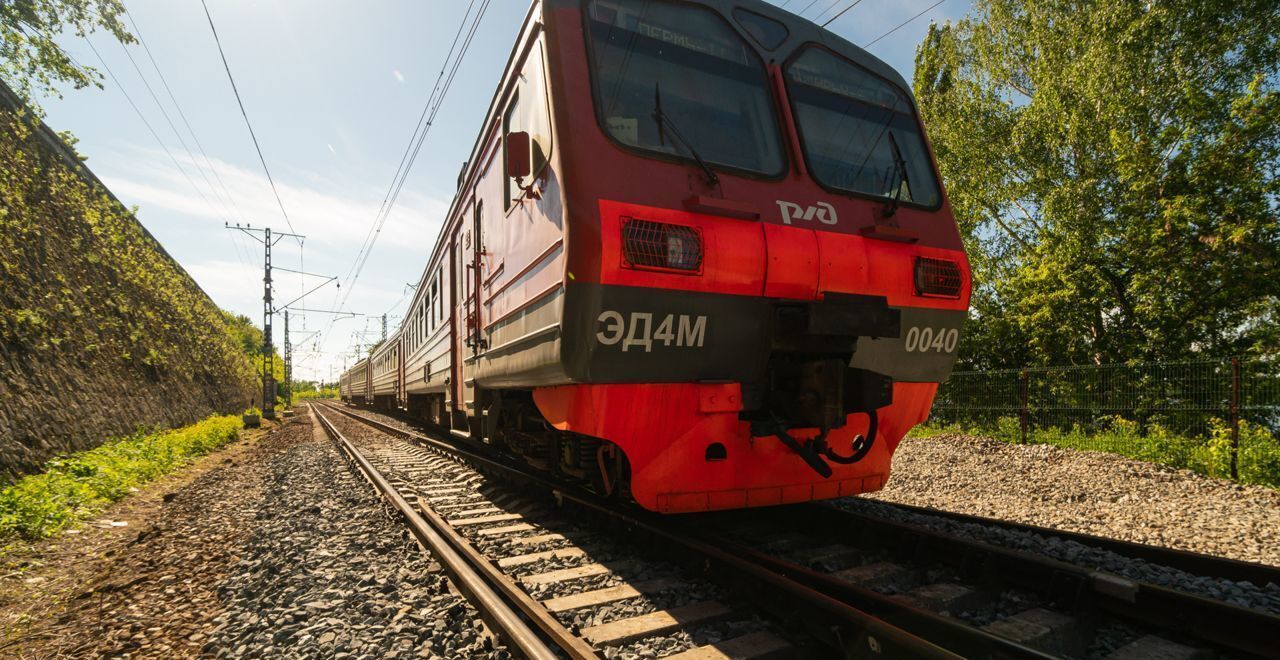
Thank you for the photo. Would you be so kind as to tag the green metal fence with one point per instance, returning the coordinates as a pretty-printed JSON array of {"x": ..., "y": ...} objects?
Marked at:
[{"x": 1205, "y": 414}]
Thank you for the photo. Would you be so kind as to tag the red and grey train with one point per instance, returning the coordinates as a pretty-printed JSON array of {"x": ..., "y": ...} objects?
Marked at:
[{"x": 700, "y": 257}]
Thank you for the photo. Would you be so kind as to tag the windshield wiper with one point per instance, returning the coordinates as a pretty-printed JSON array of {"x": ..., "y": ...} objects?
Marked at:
[
  {"x": 665, "y": 124},
  {"x": 900, "y": 169}
]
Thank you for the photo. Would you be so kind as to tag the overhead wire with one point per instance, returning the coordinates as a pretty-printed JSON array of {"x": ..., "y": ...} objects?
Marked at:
[
  {"x": 163, "y": 112},
  {"x": 432, "y": 108},
  {"x": 904, "y": 23},
  {"x": 111, "y": 74},
  {"x": 137, "y": 111},
  {"x": 806, "y": 7},
  {"x": 257, "y": 147},
  {"x": 842, "y": 12},
  {"x": 225, "y": 191},
  {"x": 375, "y": 226},
  {"x": 825, "y": 10}
]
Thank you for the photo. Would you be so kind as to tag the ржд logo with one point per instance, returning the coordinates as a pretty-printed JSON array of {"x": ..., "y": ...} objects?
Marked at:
[{"x": 824, "y": 212}]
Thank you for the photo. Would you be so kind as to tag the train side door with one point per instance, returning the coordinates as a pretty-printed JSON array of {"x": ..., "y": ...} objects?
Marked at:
[
  {"x": 400, "y": 393},
  {"x": 463, "y": 390}
]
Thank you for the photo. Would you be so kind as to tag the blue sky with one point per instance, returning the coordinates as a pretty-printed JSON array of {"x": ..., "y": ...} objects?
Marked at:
[{"x": 334, "y": 90}]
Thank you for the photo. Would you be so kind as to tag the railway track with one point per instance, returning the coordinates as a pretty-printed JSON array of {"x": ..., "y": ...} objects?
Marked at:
[
  {"x": 547, "y": 585},
  {"x": 821, "y": 580}
]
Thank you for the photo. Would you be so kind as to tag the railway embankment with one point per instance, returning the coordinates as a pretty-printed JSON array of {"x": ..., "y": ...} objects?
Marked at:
[
  {"x": 271, "y": 546},
  {"x": 275, "y": 546},
  {"x": 1089, "y": 492},
  {"x": 101, "y": 331}
]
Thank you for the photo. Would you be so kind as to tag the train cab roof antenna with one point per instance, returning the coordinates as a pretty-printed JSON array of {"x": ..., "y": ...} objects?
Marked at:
[{"x": 665, "y": 124}]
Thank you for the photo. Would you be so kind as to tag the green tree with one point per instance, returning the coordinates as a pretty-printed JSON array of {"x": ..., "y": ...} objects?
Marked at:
[
  {"x": 1113, "y": 165},
  {"x": 30, "y": 59},
  {"x": 249, "y": 338}
]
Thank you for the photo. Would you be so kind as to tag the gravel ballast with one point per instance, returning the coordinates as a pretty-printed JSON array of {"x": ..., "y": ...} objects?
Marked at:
[
  {"x": 271, "y": 548},
  {"x": 330, "y": 573},
  {"x": 1089, "y": 492}
]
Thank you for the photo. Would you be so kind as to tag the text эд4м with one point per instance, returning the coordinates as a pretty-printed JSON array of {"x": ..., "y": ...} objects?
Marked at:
[{"x": 684, "y": 330}]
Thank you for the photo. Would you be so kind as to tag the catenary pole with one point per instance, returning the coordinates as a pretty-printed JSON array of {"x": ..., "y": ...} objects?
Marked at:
[{"x": 268, "y": 240}]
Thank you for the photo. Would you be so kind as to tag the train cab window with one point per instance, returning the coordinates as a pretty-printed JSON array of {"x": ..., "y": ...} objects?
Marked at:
[
  {"x": 859, "y": 131},
  {"x": 766, "y": 31},
  {"x": 529, "y": 111},
  {"x": 679, "y": 81}
]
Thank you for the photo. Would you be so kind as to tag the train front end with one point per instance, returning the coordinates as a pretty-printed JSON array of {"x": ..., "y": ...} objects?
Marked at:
[{"x": 765, "y": 284}]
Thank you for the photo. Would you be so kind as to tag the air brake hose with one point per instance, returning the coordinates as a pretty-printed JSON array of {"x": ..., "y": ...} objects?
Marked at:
[{"x": 861, "y": 446}]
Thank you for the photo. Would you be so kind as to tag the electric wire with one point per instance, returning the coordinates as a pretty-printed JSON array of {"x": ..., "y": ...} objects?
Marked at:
[
  {"x": 806, "y": 7},
  {"x": 150, "y": 128},
  {"x": 828, "y": 8},
  {"x": 245, "y": 114},
  {"x": 374, "y": 227},
  {"x": 225, "y": 190},
  {"x": 137, "y": 111},
  {"x": 169, "y": 120},
  {"x": 842, "y": 11},
  {"x": 904, "y": 23},
  {"x": 434, "y": 104}
]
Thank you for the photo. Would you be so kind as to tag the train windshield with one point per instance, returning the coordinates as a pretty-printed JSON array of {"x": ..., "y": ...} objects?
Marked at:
[
  {"x": 677, "y": 80},
  {"x": 859, "y": 131}
]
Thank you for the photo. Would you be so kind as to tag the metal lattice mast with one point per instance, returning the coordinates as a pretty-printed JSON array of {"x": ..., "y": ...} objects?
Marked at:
[
  {"x": 268, "y": 239},
  {"x": 288, "y": 363},
  {"x": 268, "y": 389}
]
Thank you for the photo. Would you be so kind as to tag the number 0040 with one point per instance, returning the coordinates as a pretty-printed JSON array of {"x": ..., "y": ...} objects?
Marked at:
[{"x": 922, "y": 340}]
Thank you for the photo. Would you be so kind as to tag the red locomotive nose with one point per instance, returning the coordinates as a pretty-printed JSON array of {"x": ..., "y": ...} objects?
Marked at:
[{"x": 696, "y": 259}]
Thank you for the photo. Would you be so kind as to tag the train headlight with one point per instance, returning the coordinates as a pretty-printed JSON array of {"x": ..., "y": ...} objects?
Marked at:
[
  {"x": 937, "y": 278},
  {"x": 649, "y": 245}
]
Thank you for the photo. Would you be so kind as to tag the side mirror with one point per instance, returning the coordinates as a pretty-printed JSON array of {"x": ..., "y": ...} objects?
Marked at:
[{"x": 519, "y": 155}]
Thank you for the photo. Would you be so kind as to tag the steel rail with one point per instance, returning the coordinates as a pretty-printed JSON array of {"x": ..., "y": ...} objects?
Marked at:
[
  {"x": 831, "y": 617},
  {"x": 1198, "y": 564},
  {"x": 1247, "y": 631},
  {"x": 1240, "y": 629},
  {"x": 464, "y": 571}
]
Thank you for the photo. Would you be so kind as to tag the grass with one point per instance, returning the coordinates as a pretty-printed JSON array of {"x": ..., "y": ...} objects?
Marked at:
[
  {"x": 326, "y": 393},
  {"x": 1258, "y": 461},
  {"x": 82, "y": 484}
]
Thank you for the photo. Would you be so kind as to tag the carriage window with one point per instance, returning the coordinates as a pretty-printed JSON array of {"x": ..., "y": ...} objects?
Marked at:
[
  {"x": 530, "y": 112},
  {"x": 433, "y": 303},
  {"x": 677, "y": 80},
  {"x": 439, "y": 298},
  {"x": 859, "y": 131}
]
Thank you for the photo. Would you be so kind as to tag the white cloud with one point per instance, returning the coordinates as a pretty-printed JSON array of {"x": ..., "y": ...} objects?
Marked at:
[
  {"x": 227, "y": 280},
  {"x": 325, "y": 213},
  {"x": 335, "y": 217}
]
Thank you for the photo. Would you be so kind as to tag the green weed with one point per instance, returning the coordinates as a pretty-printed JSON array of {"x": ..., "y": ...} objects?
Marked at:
[{"x": 80, "y": 485}]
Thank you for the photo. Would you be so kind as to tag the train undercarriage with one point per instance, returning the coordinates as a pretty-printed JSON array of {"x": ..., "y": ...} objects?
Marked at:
[{"x": 512, "y": 425}]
